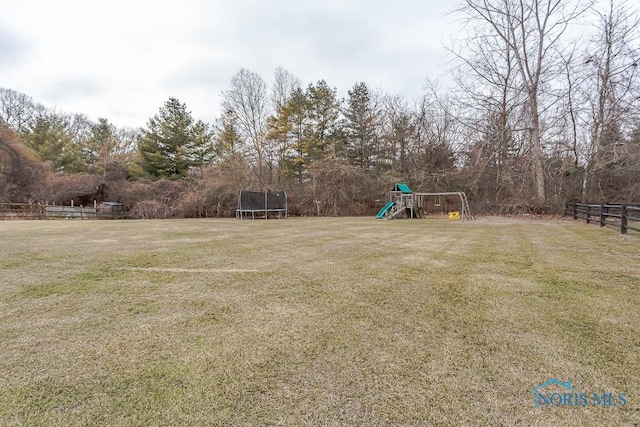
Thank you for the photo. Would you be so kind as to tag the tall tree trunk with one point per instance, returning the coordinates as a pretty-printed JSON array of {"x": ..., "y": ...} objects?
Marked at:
[{"x": 536, "y": 151}]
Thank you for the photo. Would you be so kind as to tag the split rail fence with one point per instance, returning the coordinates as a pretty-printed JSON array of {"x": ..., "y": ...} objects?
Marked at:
[{"x": 625, "y": 216}]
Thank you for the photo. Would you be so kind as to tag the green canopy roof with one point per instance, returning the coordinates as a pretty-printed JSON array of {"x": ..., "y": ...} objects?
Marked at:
[{"x": 402, "y": 187}]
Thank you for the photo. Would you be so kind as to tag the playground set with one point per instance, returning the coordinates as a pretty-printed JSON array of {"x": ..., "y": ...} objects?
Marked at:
[{"x": 403, "y": 201}]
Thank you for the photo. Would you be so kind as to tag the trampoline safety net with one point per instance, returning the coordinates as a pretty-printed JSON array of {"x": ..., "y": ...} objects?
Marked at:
[{"x": 256, "y": 204}]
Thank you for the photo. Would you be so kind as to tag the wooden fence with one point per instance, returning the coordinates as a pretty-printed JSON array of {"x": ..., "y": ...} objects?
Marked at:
[
  {"x": 38, "y": 211},
  {"x": 625, "y": 216}
]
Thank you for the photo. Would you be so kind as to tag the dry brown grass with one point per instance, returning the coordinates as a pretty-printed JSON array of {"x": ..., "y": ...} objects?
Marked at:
[{"x": 341, "y": 321}]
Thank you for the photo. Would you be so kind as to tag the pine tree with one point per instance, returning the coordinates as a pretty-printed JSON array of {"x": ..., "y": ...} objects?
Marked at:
[
  {"x": 323, "y": 128},
  {"x": 360, "y": 127},
  {"x": 52, "y": 140},
  {"x": 287, "y": 129},
  {"x": 173, "y": 142},
  {"x": 227, "y": 140},
  {"x": 100, "y": 146}
]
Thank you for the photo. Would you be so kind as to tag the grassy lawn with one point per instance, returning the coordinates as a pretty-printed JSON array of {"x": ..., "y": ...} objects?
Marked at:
[{"x": 315, "y": 321}]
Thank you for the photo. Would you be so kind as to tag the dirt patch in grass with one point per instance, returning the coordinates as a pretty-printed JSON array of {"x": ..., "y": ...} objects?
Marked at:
[{"x": 188, "y": 270}]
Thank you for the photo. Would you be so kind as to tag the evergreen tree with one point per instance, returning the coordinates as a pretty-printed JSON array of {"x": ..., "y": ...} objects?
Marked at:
[
  {"x": 202, "y": 148},
  {"x": 51, "y": 138},
  {"x": 100, "y": 145},
  {"x": 287, "y": 129},
  {"x": 322, "y": 130},
  {"x": 360, "y": 127},
  {"x": 227, "y": 140},
  {"x": 173, "y": 142},
  {"x": 305, "y": 128}
]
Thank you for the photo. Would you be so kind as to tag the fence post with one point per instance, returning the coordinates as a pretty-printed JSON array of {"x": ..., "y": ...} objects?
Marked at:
[
  {"x": 575, "y": 211},
  {"x": 603, "y": 212},
  {"x": 588, "y": 212},
  {"x": 624, "y": 213}
]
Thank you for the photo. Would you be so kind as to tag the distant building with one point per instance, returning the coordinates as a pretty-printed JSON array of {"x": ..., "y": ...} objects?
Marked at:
[{"x": 112, "y": 210}]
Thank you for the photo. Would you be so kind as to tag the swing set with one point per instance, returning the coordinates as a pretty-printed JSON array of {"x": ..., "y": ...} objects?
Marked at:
[{"x": 418, "y": 205}]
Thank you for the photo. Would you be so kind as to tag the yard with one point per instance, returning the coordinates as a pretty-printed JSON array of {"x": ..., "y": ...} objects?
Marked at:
[{"x": 317, "y": 321}]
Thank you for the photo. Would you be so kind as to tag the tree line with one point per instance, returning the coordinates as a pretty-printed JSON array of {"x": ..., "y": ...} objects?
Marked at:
[{"x": 538, "y": 110}]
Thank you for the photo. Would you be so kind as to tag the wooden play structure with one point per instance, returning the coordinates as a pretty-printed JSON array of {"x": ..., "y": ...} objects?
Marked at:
[{"x": 404, "y": 202}]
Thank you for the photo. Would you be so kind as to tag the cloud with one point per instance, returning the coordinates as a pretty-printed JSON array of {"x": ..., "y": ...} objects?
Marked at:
[
  {"x": 13, "y": 47},
  {"x": 73, "y": 87},
  {"x": 124, "y": 59}
]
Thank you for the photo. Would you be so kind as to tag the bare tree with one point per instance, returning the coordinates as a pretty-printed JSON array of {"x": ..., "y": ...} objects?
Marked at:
[
  {"x": 284, "y": 84},
  {"x": 611, "y": 89},
  {"x": 247, "y": 101},
  {"x": 17, "y": 110},
  {"x": 398, "y": 131},
  {"x": 531, "y": 31}
]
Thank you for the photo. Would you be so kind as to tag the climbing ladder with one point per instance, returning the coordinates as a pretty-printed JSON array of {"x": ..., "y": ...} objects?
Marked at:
[{"x": 397, "y": 209}]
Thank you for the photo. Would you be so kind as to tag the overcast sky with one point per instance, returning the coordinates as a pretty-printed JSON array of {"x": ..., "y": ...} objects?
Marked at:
[{"x": 123, "y": 59}]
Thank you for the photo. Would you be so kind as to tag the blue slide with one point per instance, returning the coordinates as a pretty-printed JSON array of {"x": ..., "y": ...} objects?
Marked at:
[{"x": 385, "y": 209}]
